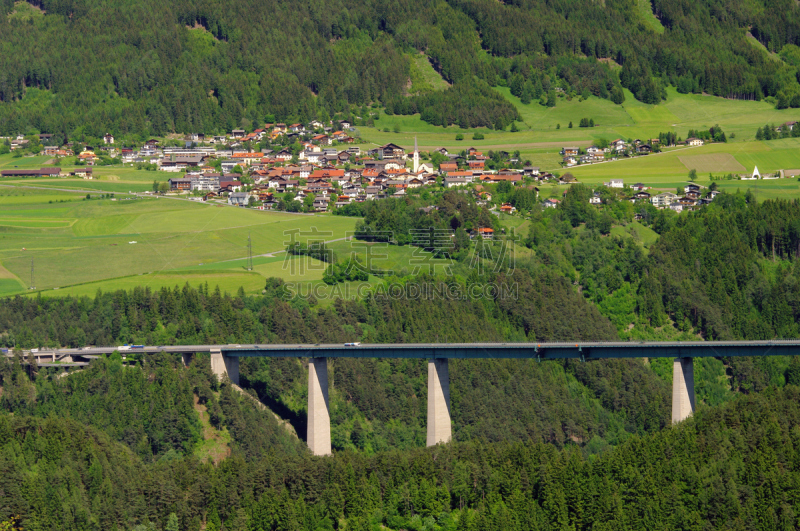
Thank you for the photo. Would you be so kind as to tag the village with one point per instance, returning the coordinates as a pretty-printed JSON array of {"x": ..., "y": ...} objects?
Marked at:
[{"x": 319, "y": 167}]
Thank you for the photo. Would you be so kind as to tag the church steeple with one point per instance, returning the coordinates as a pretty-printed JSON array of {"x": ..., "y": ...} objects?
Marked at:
[{"x": 416, "y": 156}]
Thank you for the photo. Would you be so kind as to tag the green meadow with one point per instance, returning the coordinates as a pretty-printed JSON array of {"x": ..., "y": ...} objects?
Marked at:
[
  {"x": 666, "y": 170},
  {"x": 643, "y": 235},
  {"x": 543, "y": 131},
  {"x": 423, "y": 76},
  {"x": 80, "y": 245}
]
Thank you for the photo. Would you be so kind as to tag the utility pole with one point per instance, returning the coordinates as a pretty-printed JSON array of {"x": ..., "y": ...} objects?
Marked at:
[
  {"x": 33, "y": 282},
  {"x": 249, "y": 253}
]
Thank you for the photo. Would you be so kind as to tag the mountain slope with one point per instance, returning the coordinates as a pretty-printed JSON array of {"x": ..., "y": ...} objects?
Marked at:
[{"x": 147, "y": 67}]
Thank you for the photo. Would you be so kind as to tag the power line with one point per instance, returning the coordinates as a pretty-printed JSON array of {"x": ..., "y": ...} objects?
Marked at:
[{"x": 249, "y": 253}]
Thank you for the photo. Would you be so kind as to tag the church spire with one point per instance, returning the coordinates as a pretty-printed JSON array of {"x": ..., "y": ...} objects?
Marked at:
[{"x": 416, "y": 156}]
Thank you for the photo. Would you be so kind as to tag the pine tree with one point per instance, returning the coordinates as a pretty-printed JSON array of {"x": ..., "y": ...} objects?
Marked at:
[{"x": 172, "y": 523}]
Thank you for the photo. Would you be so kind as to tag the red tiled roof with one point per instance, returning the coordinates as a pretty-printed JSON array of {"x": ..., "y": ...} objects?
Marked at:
[{"x": 326, "y": 174}]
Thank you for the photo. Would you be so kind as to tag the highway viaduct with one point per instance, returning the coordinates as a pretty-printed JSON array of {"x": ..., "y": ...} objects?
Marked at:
[{"x": 225, "y": 362}]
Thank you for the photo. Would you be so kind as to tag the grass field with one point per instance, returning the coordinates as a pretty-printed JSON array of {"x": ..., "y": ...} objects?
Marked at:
[
  {"x": 646, "y": 12},
  {"x": 302, "y": 275},
  {"x": 544, "y": 130},
  {"x": 9, "y": 283},
  {"x": 80, "y": 245},
  {"x": 423, "y": 77},
  {"x": 665, "y": 170},
  {"x": 400, "y": 260},
  {"x": 644, "y": 235},
  {"x": 769, "y": 189}
]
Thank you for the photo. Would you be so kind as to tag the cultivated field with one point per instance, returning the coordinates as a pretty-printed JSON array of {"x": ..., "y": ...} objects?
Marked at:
[
  {"x": 74, "y": 241},
  {"x": 712, "y": 163}
]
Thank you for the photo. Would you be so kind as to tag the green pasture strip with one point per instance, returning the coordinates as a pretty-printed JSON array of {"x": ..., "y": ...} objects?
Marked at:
[
  {"x": 168, "y": 235},
  {"x": 228, "y": 282}
]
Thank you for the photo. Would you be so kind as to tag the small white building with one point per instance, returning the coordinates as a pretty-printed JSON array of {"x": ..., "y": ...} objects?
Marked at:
[
  {"x": 694, "y": 142},
  {"x": 615, "y": 183}
]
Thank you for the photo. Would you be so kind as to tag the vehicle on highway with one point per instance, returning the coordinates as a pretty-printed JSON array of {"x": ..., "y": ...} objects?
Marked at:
[
  {"x": 352, "y": 344},
  {"x": 137, "y": 346},
  {"x": 124, "y": 347}
]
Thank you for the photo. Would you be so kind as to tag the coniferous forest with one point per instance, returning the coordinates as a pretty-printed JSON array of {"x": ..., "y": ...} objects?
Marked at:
[
  {"x": 86, "y": 67},
  {"x": 128, "y": 444}
]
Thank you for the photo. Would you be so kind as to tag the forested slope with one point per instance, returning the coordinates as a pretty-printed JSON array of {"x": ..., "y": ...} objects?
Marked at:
[
  {"x": 735, "y": 467},
  {"x": 149, "y": 407},
  {"x": 149, "y": 67}
]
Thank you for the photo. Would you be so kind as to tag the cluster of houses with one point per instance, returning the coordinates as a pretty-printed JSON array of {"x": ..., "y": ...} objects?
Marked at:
[
  {"x": 20, "y": 142},
  {"x": 382, "y": 172},
  {"x": 692, "y": 197},
  {"x": 573, "y": 155},
  {"x": 333, "y": 176}
]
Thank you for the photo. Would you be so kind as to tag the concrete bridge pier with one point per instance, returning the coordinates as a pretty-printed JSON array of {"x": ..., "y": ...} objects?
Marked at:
[
  {"x": 319, "y": 417},
  {"x": 439, "y": 426},
  {"x": 222, "y": 365},
  {"x": 682, "y": 389},
  {"x": 186, "y": 357}
]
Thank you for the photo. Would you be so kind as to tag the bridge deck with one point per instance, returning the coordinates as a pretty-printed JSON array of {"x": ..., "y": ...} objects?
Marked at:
[{"x": 562, "y": 350}]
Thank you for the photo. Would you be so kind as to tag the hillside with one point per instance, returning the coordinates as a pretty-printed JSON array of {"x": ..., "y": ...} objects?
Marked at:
[
  {"x": 149, "y": 67},
  {"x": 734, "y": 467}
]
